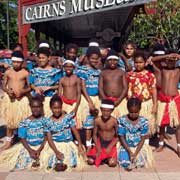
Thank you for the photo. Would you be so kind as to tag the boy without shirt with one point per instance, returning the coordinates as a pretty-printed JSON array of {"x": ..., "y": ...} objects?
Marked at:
[
  {"x": 113, "y": 84},
  {"x": 169, "y": 100},
  {"x": 70, "y": 88},
  {"x": 15, "y": 105},
  {"x": 105, "y": 137}
]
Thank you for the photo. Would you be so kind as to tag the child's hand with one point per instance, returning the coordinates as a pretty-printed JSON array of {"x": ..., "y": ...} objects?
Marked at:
[
  {"x": 11, "y": 94},
  {"x": 59, "y": 155},
  {"x": 149, "y": 61},
  {"x": 91, "y": 106},
  {"x": 38, "y": 90},
  {"x": 38, "y": 152},
  {"x": 33, "y": 154},
  {"x": 82, "y": 152},
  {"x": 133, "y": 156},
  {"x": 45, "y": 88}
]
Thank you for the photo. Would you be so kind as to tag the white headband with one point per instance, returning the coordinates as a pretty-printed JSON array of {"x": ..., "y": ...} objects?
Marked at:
[
  {"x": 108, "y": 106},
  {"x": 159, "y": 52},
  {"x": 17, "y": 59},
  {"x": 44, "y": 45},
  {"x": 112, "y": 57},
  {"x": 94, "y": 44},
  {"x": 69, "y": 61}
]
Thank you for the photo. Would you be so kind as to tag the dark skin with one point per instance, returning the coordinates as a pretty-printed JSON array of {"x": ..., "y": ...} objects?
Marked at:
[
  {"x": 129, "y": 53},
  {"x": 93, "y": 60},
  {"x": 43, "y": 63},
  {"x": 133, "y": 118},
  {"x": 105, "y": 127},
  {"x": 169, "y": 76},
  {"x": 71, "y": 54},
  {"x": 70, "y": 86},
  {"x": 58, "y": 115},
  {"x": 15, "y": 82},
  {"x": 37, "y": 109},
  {"x": 112, "y": 82}
]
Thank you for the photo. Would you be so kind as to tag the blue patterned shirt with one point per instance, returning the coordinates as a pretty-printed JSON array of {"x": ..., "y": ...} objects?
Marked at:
[
  {"x": 91, "y": 78},
  {"x": 122, "y": 64},
  {"x": 41, "y": 77},
  {"x": 7, "y": 61},
  {"x": 32, "y": 131},
  {"x": 132, "y": 132},
  {"x": 61, "y": 130}
]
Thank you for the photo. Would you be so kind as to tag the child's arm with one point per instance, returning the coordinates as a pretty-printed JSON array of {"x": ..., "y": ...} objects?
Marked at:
[
  {"x": 41, "y": 147},
  {"x": 154, "y": 93},
  {"x": 125, "y": 145},
  {"x": 5, "y": 82},
  {"x": 5, "y": 65},
  {"x": 37, "y": 89},
  {"x": 159, "y": 58},
  {"x": 5, "y": 85},
  {"x": 139, "y": 146},
  {"x": 60, "y": 87},
  {"x": 154, "y": 98},
  {"x": 77, "y": 136},
  {"x": 32, "y": 152},
  {"x": 98, "y": 149},
  {"x": 59, "y": 155},
  {"x": 47, "y": 88},
  {"x": 78, "y": 94},
  {"x": 27, "y": 89},
  {"x": 91, "y": 105},
  {"x": 124, "y": 91},
  {"x": 157, "y": 71},
  {"x": 101, "y": 92}
]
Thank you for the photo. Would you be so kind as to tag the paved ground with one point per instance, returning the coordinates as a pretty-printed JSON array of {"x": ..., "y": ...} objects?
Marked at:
[{"x": 167, "y": 167}]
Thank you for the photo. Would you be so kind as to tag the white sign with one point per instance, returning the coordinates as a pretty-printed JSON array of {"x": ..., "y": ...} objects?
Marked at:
[{"x": 60, "y": 9}]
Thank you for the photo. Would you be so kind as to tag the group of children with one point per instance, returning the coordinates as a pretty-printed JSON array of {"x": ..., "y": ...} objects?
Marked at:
[{"x": 120, "y": 100}]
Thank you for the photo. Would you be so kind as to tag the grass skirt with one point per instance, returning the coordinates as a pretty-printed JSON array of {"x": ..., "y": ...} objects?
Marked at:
[
  {"x": 144, "y": 158},
  {"x": 68, "y": 108},
  {"x": 71, "y": 157},
  {"x": 83, "y": 109},
  {"x": 18, "y": 158},
  {"x": 13, "y": 112},
  {"x": 121, "y": 109},
  {"x": 173, "y": 113},
  {"x": 47, "y": 110},
  {"x": 146, "y": 108}
]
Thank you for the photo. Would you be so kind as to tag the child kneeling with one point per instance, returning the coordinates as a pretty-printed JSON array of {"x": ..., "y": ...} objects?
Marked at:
[
  {"x": 132, "y": 131},
  {"x": 29, "y": 154},
  {"x": 62, "y": 152},
  {"x": 105, "y": 137}
]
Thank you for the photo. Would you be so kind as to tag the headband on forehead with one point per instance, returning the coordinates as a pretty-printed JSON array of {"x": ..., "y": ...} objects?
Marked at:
[
  {"x": 43, "y": 45},
  {"x": 112, "y": 57},
  {"x": 19, "y": 59},
  {"x": 94, "y": 44},
  {"x": 159, "y": 52},
  {"x": 69, "y": 61},
  {"x": 108, "y": 106}
]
